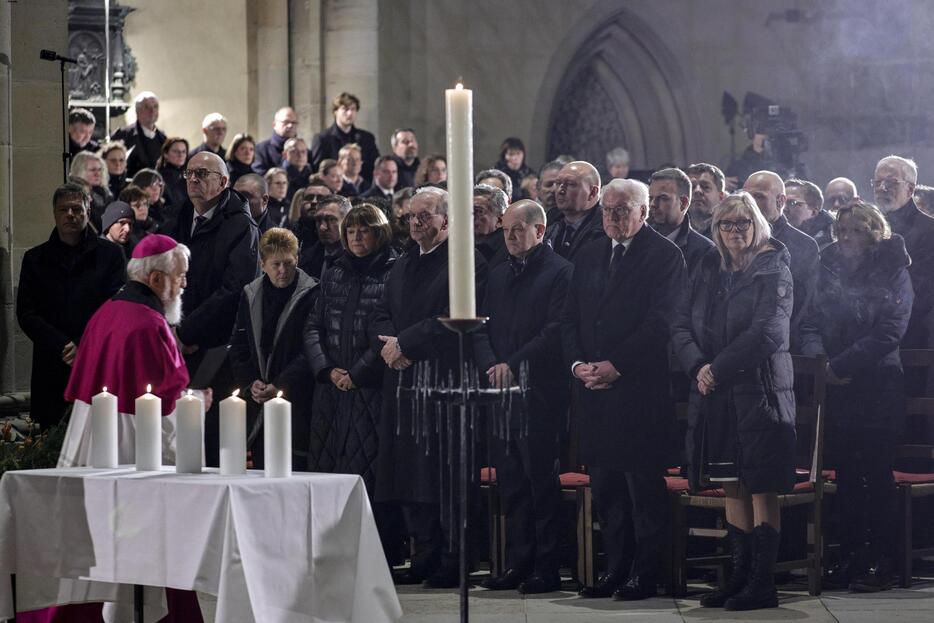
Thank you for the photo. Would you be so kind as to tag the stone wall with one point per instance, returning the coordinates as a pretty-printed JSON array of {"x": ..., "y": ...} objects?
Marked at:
[{"x": 30, "y": 149}]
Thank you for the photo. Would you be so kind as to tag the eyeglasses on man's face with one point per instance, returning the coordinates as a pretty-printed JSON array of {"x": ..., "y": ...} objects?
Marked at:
[
  {"x": 201, "y": 174},
  {"x": 886, "y": 183},
  {"x": 740, "y": 225},
  {"x": 420, "y": 217}
]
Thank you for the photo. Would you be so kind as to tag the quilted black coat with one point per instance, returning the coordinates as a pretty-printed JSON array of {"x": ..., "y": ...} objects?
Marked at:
[
  {"x": 344, "y": 424},
  {"x": 753, "y": 372}
]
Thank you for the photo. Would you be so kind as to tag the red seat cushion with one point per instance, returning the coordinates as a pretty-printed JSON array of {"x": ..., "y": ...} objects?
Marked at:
[
  {"x": 572, "y": 480},
  {"x": 487, "y": 475},
  {"x": 803, "y": 487},
  {"x": 676, "y": 483},
  {"x": 907, "y": 478}
]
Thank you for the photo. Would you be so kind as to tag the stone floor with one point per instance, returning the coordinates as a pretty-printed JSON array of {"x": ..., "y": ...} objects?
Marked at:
[{"x": 428, "y": 606}]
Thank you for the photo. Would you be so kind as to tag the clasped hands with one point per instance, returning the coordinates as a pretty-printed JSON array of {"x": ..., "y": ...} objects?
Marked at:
[
  {"x": 500, "y": 376},
  {"x": 262, "y": 392},
  {"x": 341, "y": 379},
  {"x": 596, "y": 375},
  {"x": 705, "y": 380},
  {"x": 392, "y": 353}
]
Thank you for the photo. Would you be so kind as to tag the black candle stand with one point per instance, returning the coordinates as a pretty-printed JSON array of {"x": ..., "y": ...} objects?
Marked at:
[{"x": 442, "y": 405}]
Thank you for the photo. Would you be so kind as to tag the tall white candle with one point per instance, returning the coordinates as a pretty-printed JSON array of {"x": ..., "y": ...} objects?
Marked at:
[
  {"x": 188, "y": 438},
  {"x": 104, "y": 430},
  {"x": 461, "y": 290},
  {"x": 233, "y": 435},
  {"x": 277, "y": 437},
  {"x": 148, "y": 432}
]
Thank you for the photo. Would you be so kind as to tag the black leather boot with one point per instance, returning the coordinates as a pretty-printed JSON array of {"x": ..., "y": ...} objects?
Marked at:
[
  {"x": 741, "y": 556},
  {"x": 760, "y": 591},
  {"x": 840, "y": 574},
  {"x": 879, "y": 577}
]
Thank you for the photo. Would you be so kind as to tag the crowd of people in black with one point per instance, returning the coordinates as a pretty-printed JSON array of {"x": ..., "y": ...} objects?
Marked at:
[{"x": 321, "y": 271}]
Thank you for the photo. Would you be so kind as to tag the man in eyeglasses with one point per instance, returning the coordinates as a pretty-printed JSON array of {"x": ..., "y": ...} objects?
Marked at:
[
  {"x": 577, "y": 197},
  {"x": 215, "y": 224},
  {"x": 768, "y": 189},
  {"x": 839, "y": 192},
  {"x": 405, "y": 329},
  {"x": 62, "y": 283},
  {"x": 615, "y": 338},
  {"x": 804, "y": 207},
  {"x": 894, "y": 184}
]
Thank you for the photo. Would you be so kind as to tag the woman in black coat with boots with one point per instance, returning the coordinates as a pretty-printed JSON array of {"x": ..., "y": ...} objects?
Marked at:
[
  {"x": 266, "y": 352},
  {"x": 731, "y": 335},
  {"x": 348, "y": 372},
  {"x": 860, "y": 315}
]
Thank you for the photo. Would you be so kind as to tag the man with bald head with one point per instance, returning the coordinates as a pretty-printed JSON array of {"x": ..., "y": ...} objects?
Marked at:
[
  {"x": 215, "y": 224},
  {"x": 142, "y": 138},
  {"x": 768, "y": 189},
  {"x": 839, "y": 192},
  {"x": 524, "y": 299},
  {"x": 577, "y": 197},
  {"x": 894, "y": 184},
  {"x": 268, "y": 153},
  {"x": 256, "y": 191},
  {"x": 615, "y": 338}
]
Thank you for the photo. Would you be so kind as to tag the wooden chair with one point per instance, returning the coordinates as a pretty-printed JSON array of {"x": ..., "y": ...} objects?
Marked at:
[
  {"x": 912, "y": 486},
  {"x": 810, "y": 391}
]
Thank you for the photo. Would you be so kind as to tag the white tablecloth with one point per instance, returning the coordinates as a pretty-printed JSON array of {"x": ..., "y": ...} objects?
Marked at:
[{"x": 300, "y": 549}]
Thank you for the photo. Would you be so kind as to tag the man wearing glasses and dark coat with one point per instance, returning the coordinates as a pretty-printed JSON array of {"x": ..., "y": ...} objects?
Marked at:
[{"x": 215, "y": 224}]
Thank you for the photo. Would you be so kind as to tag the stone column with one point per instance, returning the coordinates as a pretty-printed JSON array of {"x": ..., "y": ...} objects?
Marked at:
[
  {"x": 267, "y": 63},
  {"x": 30, "y": 152}
]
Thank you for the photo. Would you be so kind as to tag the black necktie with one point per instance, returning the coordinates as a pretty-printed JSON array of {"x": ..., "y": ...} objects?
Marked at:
[
  {"x": 199, "y": 222},
  {"x": 616, "y": 261}
]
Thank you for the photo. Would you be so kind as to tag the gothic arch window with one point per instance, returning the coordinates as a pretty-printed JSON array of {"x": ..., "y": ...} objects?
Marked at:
[{"x": 619, "y": 86}]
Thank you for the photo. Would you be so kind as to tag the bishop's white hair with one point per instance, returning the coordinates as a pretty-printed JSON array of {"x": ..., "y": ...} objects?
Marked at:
[{"x": 138, "y": 269}]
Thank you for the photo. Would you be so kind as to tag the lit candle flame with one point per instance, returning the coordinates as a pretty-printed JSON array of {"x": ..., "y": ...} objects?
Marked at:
[
  {"x": 190, "y": 392},
  {"x": 235, "y": 393},
  {"x": 148, "y": 388},
  {"x": 279, "y": 395},
  {"x": 459, "y": 87},
  {"x": 105, "y": 389}
]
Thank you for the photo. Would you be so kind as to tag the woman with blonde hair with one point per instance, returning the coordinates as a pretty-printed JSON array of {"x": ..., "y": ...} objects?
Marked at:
[
  {"x": 266, "y": 347},
  {"x": 731, "y": 335},
  {"x": 92, "y": 169},
  {"x": 860, "y": 315}
]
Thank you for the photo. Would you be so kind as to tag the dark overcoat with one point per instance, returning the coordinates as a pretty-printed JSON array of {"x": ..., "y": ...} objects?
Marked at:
[
  {"x": 223, "y": 261},
  {"x": 692, "y": 244},
  {"x": 415, "y": 296},
  {"x": 591, "y": 228},
  {"x": 327, "y": 144},
  {"x": 860, "y": 316},
  {"x": 344, "y": 435},
  {"x": 142, "y": 152},
  {"x": 626, "y": 321},
  {"x": 753, "y": 373},
  {"x": 60, "y": 288},
  {"x": 917, "y": 228},
  {"x": 805, "y": 262},
  {"x": 286, "y": 366},
  {"x": 524, "y": 307}
]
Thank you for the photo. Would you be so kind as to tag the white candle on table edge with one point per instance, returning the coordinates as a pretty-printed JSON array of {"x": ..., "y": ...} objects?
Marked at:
[
  {"x": 461, "y": 288},
  {"x": 148, "y": 432},
  {"x": 277, "y": 437},
  {"x": 233, "y": 435},
  {"x": 104, "y": 430},
  {"x": 188, "y": 437}
]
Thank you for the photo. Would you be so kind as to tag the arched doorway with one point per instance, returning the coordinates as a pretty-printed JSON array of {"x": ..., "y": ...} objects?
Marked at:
[{"x": 619, "y": 86}]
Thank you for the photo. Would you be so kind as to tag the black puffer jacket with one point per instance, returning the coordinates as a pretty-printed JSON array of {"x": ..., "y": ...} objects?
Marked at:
[
  {"x": 344, "y": 424},
  {"x": 860, "y": 315},
  {"x": 754, "y": 373}
]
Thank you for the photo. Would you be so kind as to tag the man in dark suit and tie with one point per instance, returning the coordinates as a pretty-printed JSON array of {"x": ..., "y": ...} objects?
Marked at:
[
  {"x": 615, "y": 335},
  {"x": 385, "y": 176}
]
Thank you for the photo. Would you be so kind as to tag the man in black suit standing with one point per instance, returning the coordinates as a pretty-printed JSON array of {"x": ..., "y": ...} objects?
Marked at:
[
  {"x": 328, "y": 144},
  {"x": 615, "y": 335},
  {"x": 524, "y": 300},
  {"x": 143, "y": 139},
  {"x": 578, "y": 199},
  {"x": 669, "y": 198}
]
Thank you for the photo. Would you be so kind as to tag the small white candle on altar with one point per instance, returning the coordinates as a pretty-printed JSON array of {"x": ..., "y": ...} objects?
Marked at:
[
  {"x": 188, "y": 438},
  {"x": 277, "y": 437},
  {"x": 148, "y": 432},
  {"x": 233, "y": 435},
  {"x": 461, "y": 289},
  {"x": 104, "y": 430}
]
